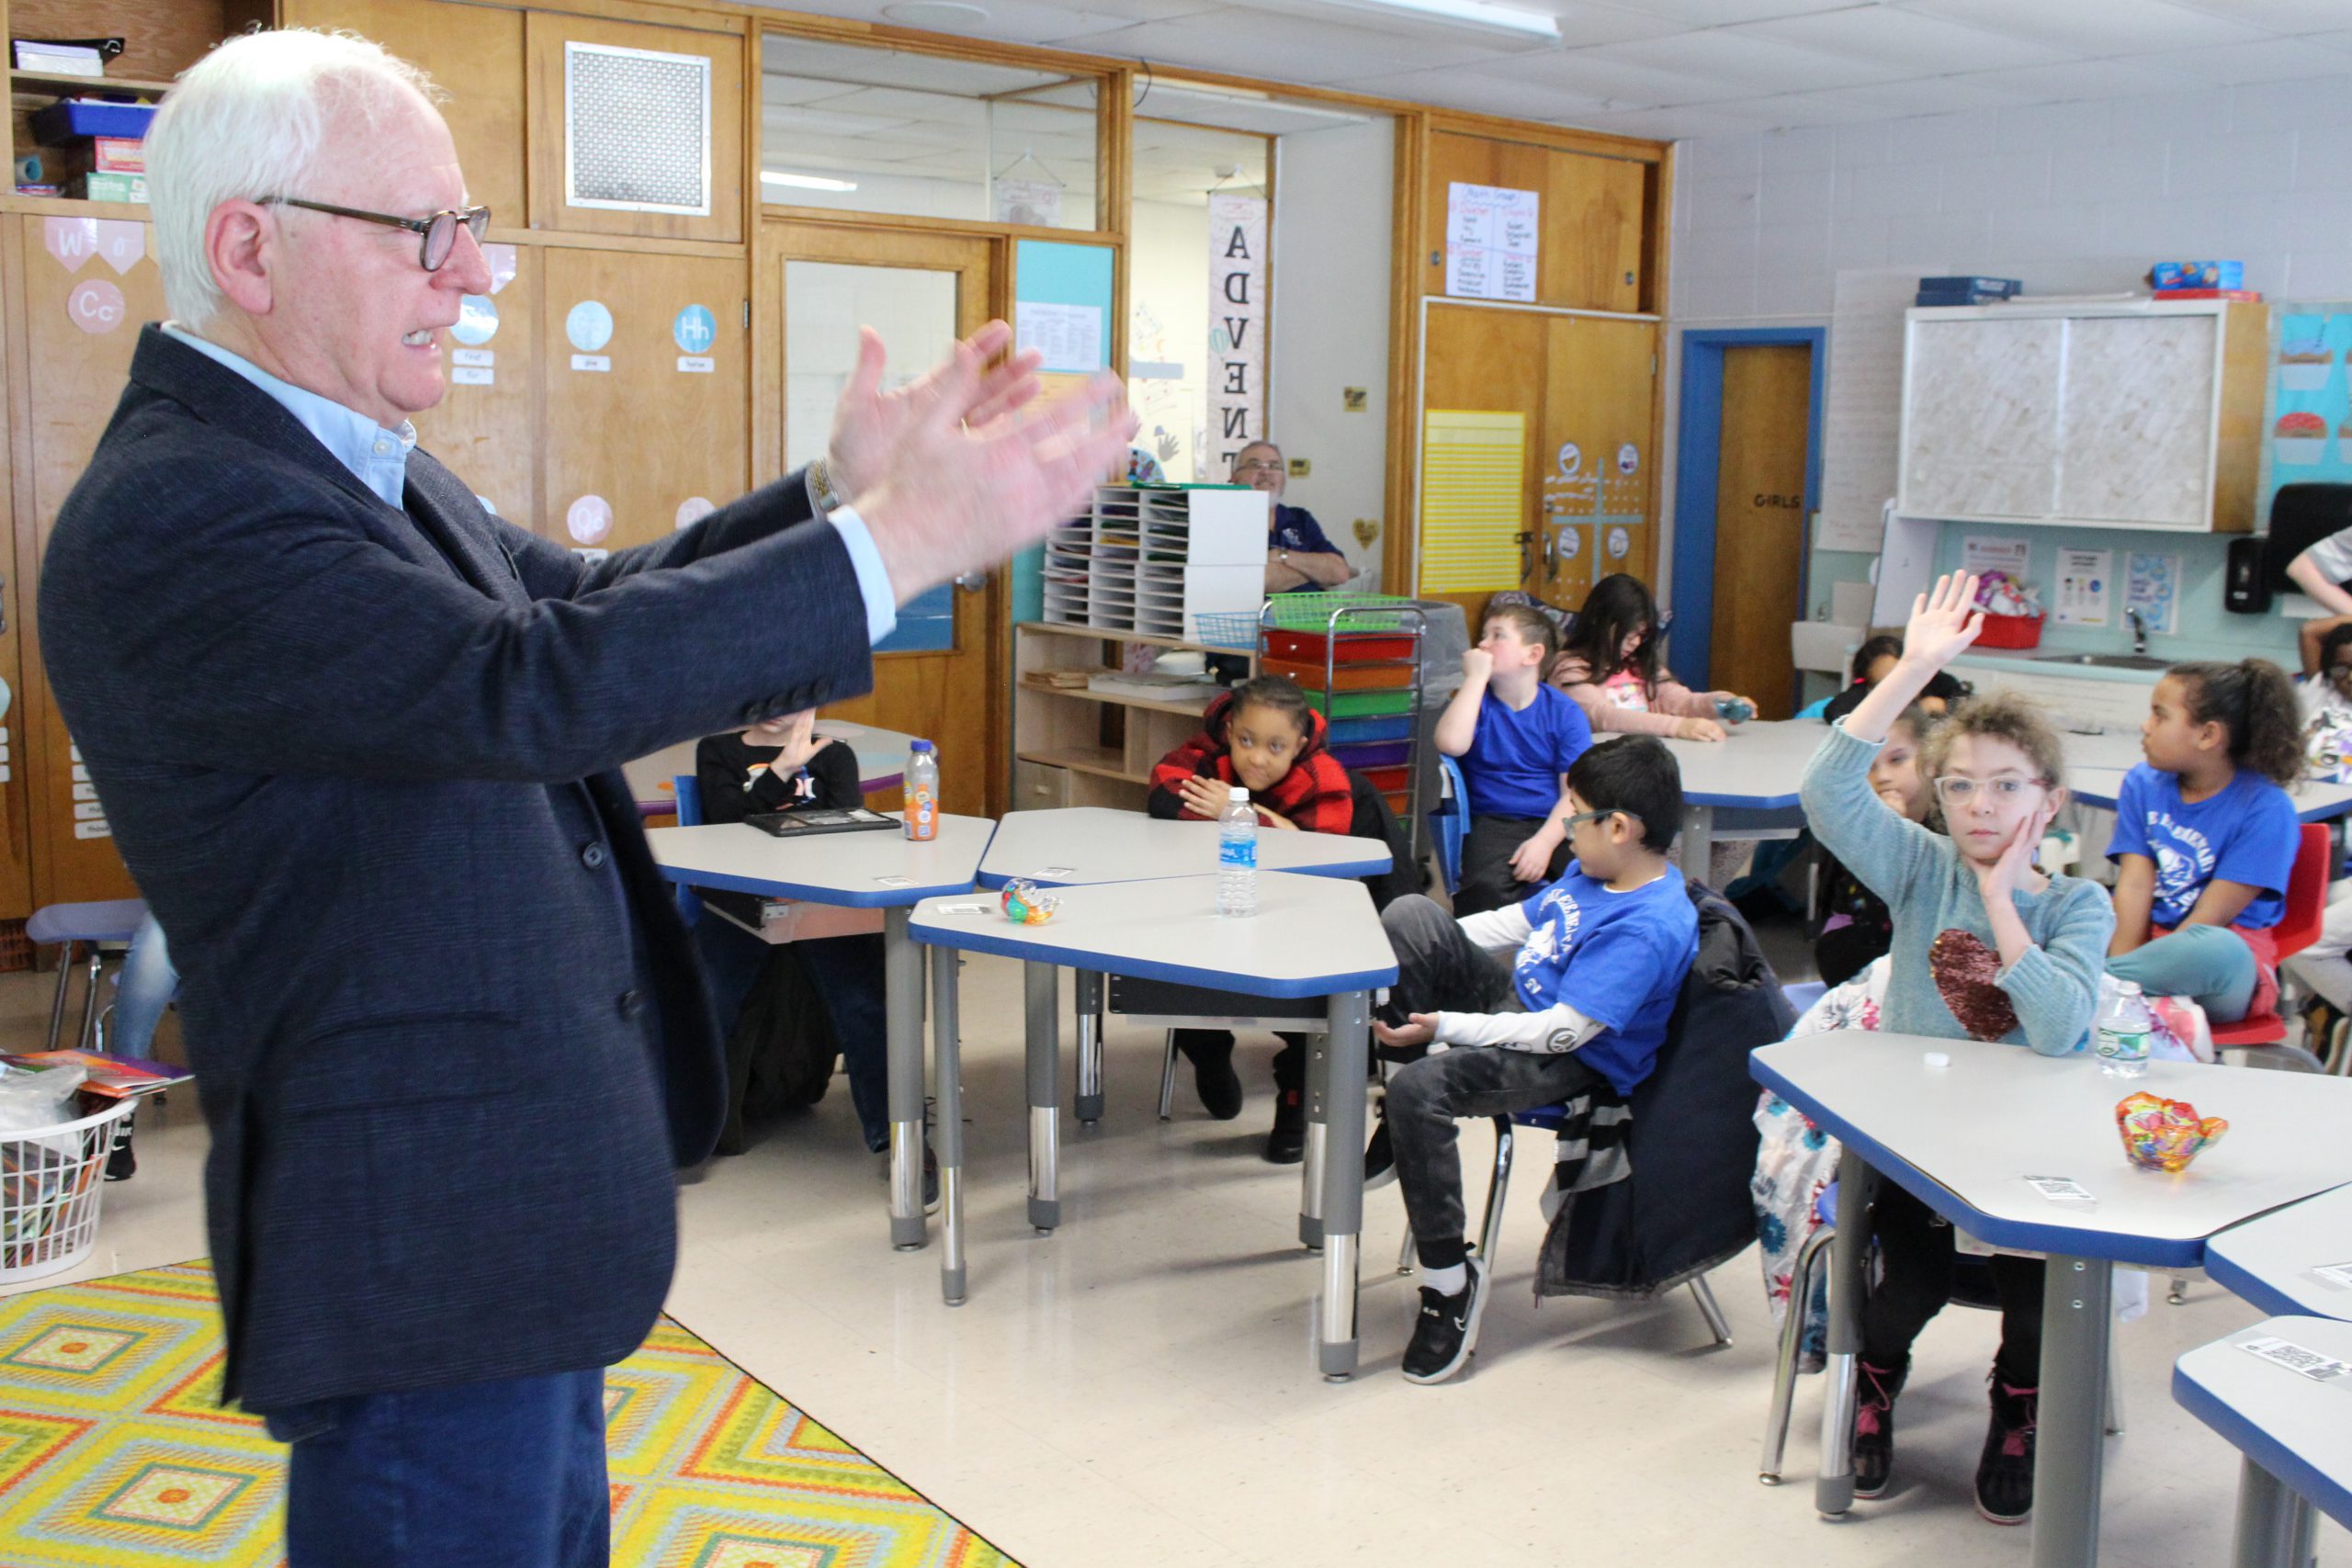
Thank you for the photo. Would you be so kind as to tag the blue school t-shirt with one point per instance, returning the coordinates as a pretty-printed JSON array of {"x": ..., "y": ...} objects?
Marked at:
[
  {"x": 2246, "y": 834},
  {"x": 1618, "y": 958},
  {"x": 1515, "y": 760}
]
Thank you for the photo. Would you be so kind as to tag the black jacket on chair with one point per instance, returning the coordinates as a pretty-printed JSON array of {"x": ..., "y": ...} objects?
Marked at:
[
  {"x": 447, "y": 1030},
  {"x": 1692, "y": 1141}
]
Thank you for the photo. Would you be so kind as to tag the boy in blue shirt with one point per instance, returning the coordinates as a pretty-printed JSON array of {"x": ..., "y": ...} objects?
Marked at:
[
  {"x": 1579, "y": 1006},
  {"x": 1516, "y": 734}
]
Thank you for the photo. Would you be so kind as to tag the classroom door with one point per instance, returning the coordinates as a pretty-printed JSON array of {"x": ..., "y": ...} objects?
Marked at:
[
  {"x": 940, "y": 673},
  {"x": 1759, "y": 523},
  {"x": 1572, "y": 393}
]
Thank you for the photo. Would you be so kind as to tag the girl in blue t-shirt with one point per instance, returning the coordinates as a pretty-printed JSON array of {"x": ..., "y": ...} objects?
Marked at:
[{"x": 2205, "y": 838}]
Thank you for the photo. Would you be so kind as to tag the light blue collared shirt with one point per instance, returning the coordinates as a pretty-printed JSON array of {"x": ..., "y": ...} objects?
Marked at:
[{"x": 379, "y": 457}]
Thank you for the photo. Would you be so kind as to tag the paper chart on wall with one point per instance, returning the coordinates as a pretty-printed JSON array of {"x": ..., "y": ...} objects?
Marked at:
[
  {"x": 2152, "y": 586},
  {"x": 2085, "y": 588},
  {"x": 1863, "y": 417},
  {"x": 1473, "y": 496},
  {"x": 1069, "y": 336},
  {"x": 1492, "y": 242}
]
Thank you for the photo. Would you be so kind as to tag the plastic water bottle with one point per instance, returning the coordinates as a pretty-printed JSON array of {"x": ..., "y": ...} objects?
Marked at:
[
  {"x": 1236, "y": 856},
  {"x": 2121, "y": 1034},
  {"x": 922, "y": 790}
]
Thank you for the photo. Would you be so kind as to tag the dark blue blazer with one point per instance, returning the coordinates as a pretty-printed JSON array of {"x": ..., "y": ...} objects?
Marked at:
[{"x": 447, "y": 1030}]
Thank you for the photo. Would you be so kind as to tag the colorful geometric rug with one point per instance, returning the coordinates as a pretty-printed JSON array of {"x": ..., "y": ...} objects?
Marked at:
[{"x": 114, "y": 1450}]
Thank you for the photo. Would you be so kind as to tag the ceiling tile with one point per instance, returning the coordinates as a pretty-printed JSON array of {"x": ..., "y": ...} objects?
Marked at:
[
  {"x": 2267, "y": 60},
  {"x": 1284, "y": 48},
  {"x": 1723, "y": 13},
  {"x": 2278, "y": 15},
  {"x": 1790, "y": 111},
  {"x": 1481, "y": 93},
  {"x": 2093, "y": 28},
  {"x": 1667, "y": 125},
  {"x": 2082, "y": 79},
  {"x": 1912, "y": 43},
  {"x": 1762, "y": 65},
  {"x": 1623, "y": 84}
]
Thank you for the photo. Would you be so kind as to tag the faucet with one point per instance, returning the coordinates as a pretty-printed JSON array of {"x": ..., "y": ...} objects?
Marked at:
[{"x": 2139, "y": 632}]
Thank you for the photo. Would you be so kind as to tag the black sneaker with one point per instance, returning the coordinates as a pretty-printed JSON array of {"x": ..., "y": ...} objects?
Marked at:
[
  {"x": 121, "y": 1163},
  {"x": 930, "y": 1179},
  {"x": 1214, "y": 1079},
  {"x": 1286, "y": 1141},
  {"x": 2005, "y": 1473},
  {"x": 1379, "y": 1157},
  {"x": 1874, "y": 1427},
  {"x": 1447, "y": 1333}
]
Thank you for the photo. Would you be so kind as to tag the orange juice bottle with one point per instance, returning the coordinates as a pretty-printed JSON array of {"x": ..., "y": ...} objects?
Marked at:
[{"x": 922, "y": 790}]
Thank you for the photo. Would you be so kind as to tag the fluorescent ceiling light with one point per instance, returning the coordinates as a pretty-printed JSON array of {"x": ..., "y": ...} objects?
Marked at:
[
  {"x": 1476, "y": 15},
  {"x": 805, "y": 182}
]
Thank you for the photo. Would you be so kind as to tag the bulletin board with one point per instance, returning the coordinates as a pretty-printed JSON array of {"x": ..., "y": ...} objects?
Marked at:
[
  {"x": 1064, "y": 286},
  {"x": 2308, "y": 418}
]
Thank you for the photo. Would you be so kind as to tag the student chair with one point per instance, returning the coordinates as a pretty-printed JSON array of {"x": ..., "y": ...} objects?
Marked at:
[
  {"x": 2297, "y": 930},
  {"x": 105, "y": 929},
  {"x": 1450, "y": 822},
  {"x": 1972, "y": 1287},
  {"x": 1549, "y": 1118},
  {"x": 689, "y": 794}
]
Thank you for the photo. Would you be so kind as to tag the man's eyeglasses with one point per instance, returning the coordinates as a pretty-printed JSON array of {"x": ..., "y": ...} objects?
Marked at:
[
  {"x": 1260, "y": 467},
  {"x": 440, "y": 230},
  {"x": 1956, "y": 791}
]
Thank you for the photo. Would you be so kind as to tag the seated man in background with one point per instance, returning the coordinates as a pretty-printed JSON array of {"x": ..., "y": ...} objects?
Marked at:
[{"x": 1299, "y": 554}]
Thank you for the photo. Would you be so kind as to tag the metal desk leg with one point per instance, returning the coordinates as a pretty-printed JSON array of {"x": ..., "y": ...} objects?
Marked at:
[
  {"x": 1041, "y": 984},
  {"x": 1833, "y": 1490},
  {"x": 902, "y": 1010},
  {"x": 2071, "y": 1440},
  {"x": 1318, "y": 1101},
  {"x": 2275, "y": 1525},
  {"x": 1089, "y": 1046},
  {"x": 947, "y": 1070},
  {"x": 1696, "y": 845},
  {"x": 1345, "y": 1045}
]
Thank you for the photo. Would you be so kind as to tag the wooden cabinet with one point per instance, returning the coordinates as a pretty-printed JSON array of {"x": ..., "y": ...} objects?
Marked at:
[
  {"x": 637, "y": 426},
  {"x": 475, "y": 56},
  {"x": 619, "y": 113},
  {"x": 485, "y": 428},
  {"x": 1075, "y": 747},
  {"x": 87, "y": 284},
  {"x": 2133, "y": 416},
  {"x": 1592, "y": 217}
]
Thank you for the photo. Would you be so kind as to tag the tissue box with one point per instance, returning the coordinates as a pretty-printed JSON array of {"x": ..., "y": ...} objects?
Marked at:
[
  {"x": 111, "y": 188},
  {"x": 2197, "y": 274}
]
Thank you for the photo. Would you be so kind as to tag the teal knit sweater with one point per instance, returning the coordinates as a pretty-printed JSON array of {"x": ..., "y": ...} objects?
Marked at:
[{"x": 1945, "y": 977}]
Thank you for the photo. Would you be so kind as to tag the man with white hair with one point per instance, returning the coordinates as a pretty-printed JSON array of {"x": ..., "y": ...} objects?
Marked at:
[{"x": 357, "y": 740}]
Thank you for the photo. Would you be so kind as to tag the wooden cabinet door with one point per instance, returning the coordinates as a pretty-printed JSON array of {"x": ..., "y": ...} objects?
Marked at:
[
  {"x": 641, "y": 435},
  {"x": 1979, "y": 418},
  {"x": 2135, "y": 417},
  {"x": 483, "y": 428},
  {"x": 16, "y": 838},
  {"x": 475, "y": 55},
  {"x": 1590, "y": 217},
  {"x": 642, "y": 111},
  {"x": 1482, "y": 360},
  {"x": 88, "y": 284},
  {"x": 1599, "y": 474}
]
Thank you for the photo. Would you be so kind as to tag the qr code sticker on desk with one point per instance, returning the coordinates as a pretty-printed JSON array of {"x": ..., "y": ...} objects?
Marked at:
[
  {"x": 2337, "y": 1274},
  {"x": 2295, "y": 1358},
  {"x": 2060, "y": 1189}
]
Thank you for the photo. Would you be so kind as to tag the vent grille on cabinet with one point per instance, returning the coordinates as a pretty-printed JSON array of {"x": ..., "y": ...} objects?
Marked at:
[{"x": 636, "y": 130}]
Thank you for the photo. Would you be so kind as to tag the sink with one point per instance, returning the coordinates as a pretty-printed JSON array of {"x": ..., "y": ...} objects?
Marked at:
[{"x": 2105, "y": 660}]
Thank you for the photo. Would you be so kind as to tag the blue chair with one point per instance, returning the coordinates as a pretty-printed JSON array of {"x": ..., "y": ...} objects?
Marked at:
[
  {"x": 1813, "y": 709},
  {"x": 1451, "y": 821},
  {"x": 689, "y": 794},
  {"x": 97, "y": 926}
]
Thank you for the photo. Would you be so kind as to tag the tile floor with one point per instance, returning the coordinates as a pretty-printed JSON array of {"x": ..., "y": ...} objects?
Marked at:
[{"x": 1140, "y": 1388}]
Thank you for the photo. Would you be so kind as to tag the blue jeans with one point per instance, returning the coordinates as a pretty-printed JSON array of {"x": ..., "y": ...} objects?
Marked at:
[
  {"x": 506, "y": 1474},
  {"x": 2211, "y": 966}
]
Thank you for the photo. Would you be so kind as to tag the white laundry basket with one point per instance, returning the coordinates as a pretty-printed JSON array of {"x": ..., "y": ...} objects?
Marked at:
[{"x": 50, "y": 1183}]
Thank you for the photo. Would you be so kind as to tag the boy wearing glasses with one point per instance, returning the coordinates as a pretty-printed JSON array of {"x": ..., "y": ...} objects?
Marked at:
[
  {"x": 1299, "y": 556},
  {"x": 1986, "y": 947},
  {"x": 1565, "y": 994}
]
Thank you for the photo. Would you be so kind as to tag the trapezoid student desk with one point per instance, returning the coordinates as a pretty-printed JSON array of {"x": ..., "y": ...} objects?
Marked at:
[
  {"x": 2292, "y": 1431},
  {"x": 874, "y": 870},
  {"x": 2292, "y": 1261},
  {"x": 1170, "y": 930},
  {"x": 1748, "y": 780},
  {"x": 1972, "y": 1138},
  {"x": 1077, "y": 845}
]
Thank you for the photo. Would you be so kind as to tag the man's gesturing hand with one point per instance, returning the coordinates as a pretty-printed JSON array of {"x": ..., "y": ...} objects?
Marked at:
[{"x": 868, "y": 420}]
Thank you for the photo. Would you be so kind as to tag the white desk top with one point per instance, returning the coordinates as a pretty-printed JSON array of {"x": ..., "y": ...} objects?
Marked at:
[
  {"x": 855, "y": 871},
  {"x": 1759, "y": 767},
  {"x": 1963, "y": 1138},
  {"x": 2271, "y": 1261},
  {"x": 2297, "y": 1428},
  {"x": 1312, "y": 935},
  {"x": 2314, "y": 802},
  {"x": 1080, "y": 844},
  {"x": 881, "y": 759}
]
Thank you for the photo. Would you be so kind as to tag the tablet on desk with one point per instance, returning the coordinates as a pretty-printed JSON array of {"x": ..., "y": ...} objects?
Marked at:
[{"x": 802, "y": 824}]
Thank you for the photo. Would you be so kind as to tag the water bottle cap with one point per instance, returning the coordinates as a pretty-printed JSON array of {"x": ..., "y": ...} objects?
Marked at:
[
  {"x": 1240, "y": 793},
  {"x": 2127, "y": 987},
  {"x": 921, "y": 746}
]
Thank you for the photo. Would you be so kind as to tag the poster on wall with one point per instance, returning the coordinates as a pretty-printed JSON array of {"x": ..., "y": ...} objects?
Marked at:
[
  {"x": 1069, "y": 336},
  {"x": 1493, "y": 238},
  {"x": 1237, "y": 391},
  {"x": 2310, "y": 413},
  {"x": 2085, "y": 587},
  {"x": 1474, "y": 467}
]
